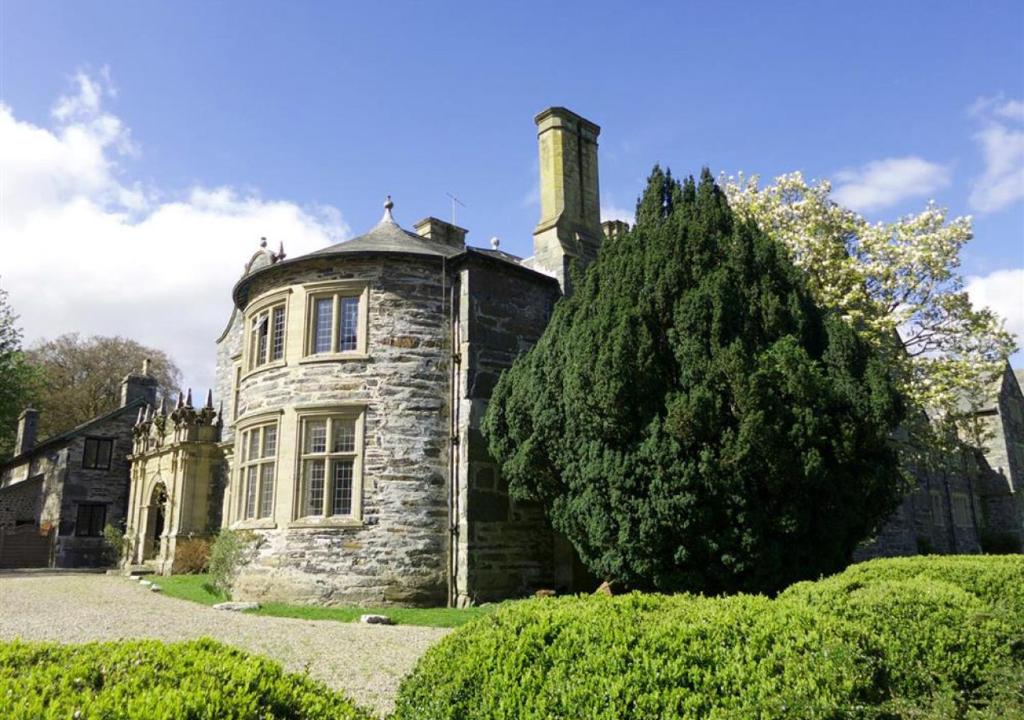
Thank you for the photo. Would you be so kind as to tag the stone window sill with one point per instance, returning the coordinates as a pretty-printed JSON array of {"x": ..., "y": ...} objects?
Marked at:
[
  {"x": 274, "y": 365},
  {"x": 333, "y": 357},
  {"x": 331, "y": 522},
  {"x": 262, "y": 524}
]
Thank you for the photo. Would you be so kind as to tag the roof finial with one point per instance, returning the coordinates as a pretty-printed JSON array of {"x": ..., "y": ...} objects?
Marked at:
[
  {"x": 209, "y": 399},
  {"x": 495, "y": 242},
  {"x": 387, "y": 211},
  {"x": 280, "y": 251},
  {"x": 263, "y": 242}
]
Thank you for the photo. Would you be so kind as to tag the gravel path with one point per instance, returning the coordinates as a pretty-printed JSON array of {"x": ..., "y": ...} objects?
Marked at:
[{"x": 367, "y": 662}]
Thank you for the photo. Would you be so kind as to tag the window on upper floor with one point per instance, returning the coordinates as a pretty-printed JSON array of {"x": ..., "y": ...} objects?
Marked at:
[
  {"x": 330, "y": 465},
  {"x": 961, "y": 510},
  {"x": 97, "y": 453},
  {"x": 256, "y": 471},
  {"x": 267, "y": 331},
  {"x": 336, "y": 319},
  {"x": 90, "y": 519}
]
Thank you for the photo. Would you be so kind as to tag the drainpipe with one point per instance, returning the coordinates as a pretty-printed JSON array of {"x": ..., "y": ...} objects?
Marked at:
[{"x": 453, "y": 450}]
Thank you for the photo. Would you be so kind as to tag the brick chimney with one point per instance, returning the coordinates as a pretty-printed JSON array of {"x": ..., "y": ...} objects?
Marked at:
[
  {"x": 139, "y": 385},
  {"x": 570, "y": 200},
  {"x": 28, "y": 425},
  {"x": 442, "y": 232}
]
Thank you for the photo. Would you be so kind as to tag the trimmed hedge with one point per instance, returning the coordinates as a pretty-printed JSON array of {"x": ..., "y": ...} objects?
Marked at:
[
  {"x": 889, "y": 640},
  {"x": 150, "y": 680},
  {"x": 996, "y": 580}
]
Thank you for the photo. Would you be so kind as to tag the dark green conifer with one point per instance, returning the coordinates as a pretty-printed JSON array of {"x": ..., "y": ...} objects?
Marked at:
[{"x": 690, "y": 419}]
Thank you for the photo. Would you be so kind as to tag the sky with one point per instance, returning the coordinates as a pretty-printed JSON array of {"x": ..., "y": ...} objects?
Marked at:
[{"x": 145, "y": 147}]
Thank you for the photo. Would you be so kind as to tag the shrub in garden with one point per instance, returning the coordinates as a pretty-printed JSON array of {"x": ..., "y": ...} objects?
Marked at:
[
  {"x": 192, "y": 555},
  {"x": 149, "y": 680},
  {"x": 229, "y": 551},
  {"x": 640, "y": 657},
  {"x": 996, "y": 580},
  {"x": 116, "y": 545},
  {"x": 691, "y": 419},
  {"x": 894, "y": 644}
]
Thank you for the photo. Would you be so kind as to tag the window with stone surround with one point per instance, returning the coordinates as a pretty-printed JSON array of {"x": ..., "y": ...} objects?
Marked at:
[
  {"x": 330, "y": 464},
  {"x": 938, "y": 515},
  {"x": 336, "y": 317},
  {"x": 90, "y": 519},
  {"x": 961, "y": 510},
  {"x": 258, "y": 467},
  {"x": 267, "y": 333},
  {"x": 97, "y": 453}
]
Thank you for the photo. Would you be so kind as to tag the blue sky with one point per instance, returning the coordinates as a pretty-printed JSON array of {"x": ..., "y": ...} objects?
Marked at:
[{"x": 303, "y": 115}]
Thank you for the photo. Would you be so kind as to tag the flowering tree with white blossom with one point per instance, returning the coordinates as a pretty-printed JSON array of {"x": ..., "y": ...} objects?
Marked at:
[{"x": 899, "y": 284}]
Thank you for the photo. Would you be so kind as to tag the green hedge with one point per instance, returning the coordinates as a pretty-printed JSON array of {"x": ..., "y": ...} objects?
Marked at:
[
  {"x": 892, "y": 642},
  {"x": 996, "y": 580},
  {"x": 149, "y": 680}
]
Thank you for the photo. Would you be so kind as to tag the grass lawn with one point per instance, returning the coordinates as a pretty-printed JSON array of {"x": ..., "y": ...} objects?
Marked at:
[{"x": 196, "y": 589}]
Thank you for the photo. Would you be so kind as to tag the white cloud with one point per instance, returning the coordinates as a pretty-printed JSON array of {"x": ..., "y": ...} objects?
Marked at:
[
  {"x": 883, "y": 183},
  {"x": 611, "y": 212},
  {"x": 1001, "y": 140},
  {"x": 82, "y": 249},
  {"x": 1003, "y": 292}
]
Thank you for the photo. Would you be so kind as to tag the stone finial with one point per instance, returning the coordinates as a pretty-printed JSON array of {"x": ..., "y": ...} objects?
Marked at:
[
  {"x": 387, "y": 211},
  {"x": 280, "y": 251},
  {"x": 263, "y": 242},
  {"x": 495, "y": 242},
  {"x": 163, "y": 406},
  {"x": 145, "y": 366},
  {"x": 138, "y": 419},
  {"x": 181, "y": 400},
  {"x": 209, "y": 399},
  {"x": 188, "y": 398},
  {"x": 149, "y": 413}
]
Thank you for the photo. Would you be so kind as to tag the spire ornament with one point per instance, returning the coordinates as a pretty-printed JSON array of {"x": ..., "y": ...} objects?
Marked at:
[{"x": 387, "y": 212}]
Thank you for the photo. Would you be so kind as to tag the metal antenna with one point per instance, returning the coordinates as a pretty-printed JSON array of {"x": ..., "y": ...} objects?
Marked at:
[{"x": 455, "y": 201}]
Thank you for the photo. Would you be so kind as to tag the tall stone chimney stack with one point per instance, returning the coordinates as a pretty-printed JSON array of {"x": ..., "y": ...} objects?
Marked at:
[
  {"x": 570, "y": 199},
  {"x": 136, "y": 385},
  {"x": 28, "y": 426}
]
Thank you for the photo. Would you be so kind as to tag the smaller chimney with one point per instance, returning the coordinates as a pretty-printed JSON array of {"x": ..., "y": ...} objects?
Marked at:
[
  {"x": 614, "y": 229},
  {"x": 135, "y": 386},
  {"x": 443, "y": 232},
  {"x": 28, "y": 424}
]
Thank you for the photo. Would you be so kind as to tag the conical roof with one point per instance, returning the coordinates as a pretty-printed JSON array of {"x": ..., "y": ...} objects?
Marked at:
[{"x": 389, "y": 236}]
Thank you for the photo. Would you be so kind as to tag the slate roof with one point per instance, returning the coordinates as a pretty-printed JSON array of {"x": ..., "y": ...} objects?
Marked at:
[
  {"x": 67, "y": 435},
  {"x": 387, "y": 236}
]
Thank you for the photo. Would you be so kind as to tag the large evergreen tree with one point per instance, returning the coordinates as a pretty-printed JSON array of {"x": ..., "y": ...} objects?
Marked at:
[
  {"x": 16, "y": 378},
  {"x": 691, "y": 419}
]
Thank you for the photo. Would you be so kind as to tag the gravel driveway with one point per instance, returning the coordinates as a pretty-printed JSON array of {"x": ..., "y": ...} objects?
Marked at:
[{"x": 367, "y": 662}]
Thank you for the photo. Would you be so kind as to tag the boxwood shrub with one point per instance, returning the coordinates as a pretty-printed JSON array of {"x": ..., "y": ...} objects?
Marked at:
[
  {"x": 996, "y": 580},
  {"x": 896, "y": 642},
  {"x": 150, "y": 680}
]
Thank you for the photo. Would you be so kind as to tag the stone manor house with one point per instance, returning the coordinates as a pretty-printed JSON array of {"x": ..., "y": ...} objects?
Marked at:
[{"x": 351, "y": 384}]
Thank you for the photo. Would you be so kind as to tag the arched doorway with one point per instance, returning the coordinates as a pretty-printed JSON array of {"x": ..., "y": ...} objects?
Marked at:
[{"x": 155, "y": 519}]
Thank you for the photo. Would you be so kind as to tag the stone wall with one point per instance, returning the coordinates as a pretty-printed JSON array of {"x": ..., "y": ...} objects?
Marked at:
[
  {"x": 396, "y": 551},
  {"x": 20, "y": 503},
  {"x": 505, "y": 548},
  {"x": 229, "y": 351},
  {"x": 64, "y": 484},
  {"x": 109, "y": 487}
]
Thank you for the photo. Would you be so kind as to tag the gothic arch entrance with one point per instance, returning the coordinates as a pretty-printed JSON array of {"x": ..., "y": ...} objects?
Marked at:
[{"x": 155, "y": 520}]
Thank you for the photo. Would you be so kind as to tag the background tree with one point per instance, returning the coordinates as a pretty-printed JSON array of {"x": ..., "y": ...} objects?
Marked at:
[
  {"x": 16, "y": 377},
  {"x": 898, "y": 283},
  {"x": 691, "y": 419},
  {"x": 81, "y": 377}
]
